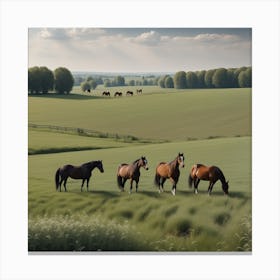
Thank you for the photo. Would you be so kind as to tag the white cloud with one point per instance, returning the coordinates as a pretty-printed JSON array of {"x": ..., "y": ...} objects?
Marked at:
[{"x": 148, "y": 38}]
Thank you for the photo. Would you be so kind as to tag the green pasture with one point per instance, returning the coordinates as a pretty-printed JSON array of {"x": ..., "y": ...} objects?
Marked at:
[
  {"x": 169, "y": 114},
  {"x": 210, "y": 126}
]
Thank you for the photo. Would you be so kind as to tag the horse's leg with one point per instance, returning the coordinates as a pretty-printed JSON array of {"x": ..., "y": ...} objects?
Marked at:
[
  {"x": 137, "y": 181},
  {"x": 82, "y": 185},
  {"x": 65, "y": 181},
  {"x": 87, "y": 183},
  {"x": 196, "y": 182},
  {"x": 174, "y": 183},
  {"x": 131, "y": 183},
  {"x": 162, "y": 182},
  {"x": 124, "y": 180},
  {"x": 210, "y": 187}
]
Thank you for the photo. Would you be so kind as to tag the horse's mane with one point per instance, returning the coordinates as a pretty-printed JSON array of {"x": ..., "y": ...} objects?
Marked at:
[
  {"x": 136, "y": 160},
  {"x": 90, "y": 162}
]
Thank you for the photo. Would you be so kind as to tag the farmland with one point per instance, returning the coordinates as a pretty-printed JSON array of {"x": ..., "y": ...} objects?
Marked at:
[{"x": 210, "y": 126}]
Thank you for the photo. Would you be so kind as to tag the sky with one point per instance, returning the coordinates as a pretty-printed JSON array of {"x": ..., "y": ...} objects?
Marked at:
[{"x": 139, "y": 49}]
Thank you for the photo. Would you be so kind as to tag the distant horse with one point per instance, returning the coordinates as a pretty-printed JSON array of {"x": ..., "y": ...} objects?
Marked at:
[
  {"x": 106, "y": 93},
  {"x": 212, "y": 174},
  {"x": 76, "y": 172},
  {"x": 139, "y": 90},
  {"x": 169, "y": 171},
  {"x": 132, "y": 172},
  {"x": 129, "y": 93},
  {"x": 88, "y": 90},
  {"x": 118, "y": 93}
]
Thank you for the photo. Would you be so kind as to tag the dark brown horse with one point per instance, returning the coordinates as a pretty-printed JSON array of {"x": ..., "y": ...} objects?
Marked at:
[
  {"x": 106, "y": 93},
  {"x": 169, "y": 171},
  {"x": 76, "y": 172},
  {"x": 139, "y": 90},
  {"x": 129, "y": 93},
  {"x": 132, "y": 172},
  {"x": 118, "y": 93},
  {"x": 211, "y": 174}
]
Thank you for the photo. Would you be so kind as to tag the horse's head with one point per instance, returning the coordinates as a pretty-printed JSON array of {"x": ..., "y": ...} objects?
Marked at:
[
  {"x": 144, "y": 163},
  {"x": 99, "y": 165},
  {"x": 225, "y": 187},
  {"x": 180, "y": 159}
]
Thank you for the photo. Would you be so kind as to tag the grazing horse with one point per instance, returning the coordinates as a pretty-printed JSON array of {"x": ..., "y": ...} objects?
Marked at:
[
  {"x": 76, "y": 172},
  {"x": 139, "y": 90},
  {"x": 118, "y": 93},
  {"x": 211, "y": 174},
  {"x": 132, "y": 172},
  {"x": 169, "y": 171},
  {"x": 129, "y": 93},
  {"x": 106, "y": 93}
]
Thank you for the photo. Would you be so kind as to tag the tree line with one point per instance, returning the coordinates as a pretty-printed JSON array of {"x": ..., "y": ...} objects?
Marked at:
[
  {"x": 213, "y": 78},
  {"x": 43, "y": 80},
  {"x": 61, "y": 80}
]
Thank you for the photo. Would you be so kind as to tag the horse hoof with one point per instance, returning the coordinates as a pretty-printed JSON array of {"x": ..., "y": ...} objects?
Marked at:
[{"x": 173, "y": 192}]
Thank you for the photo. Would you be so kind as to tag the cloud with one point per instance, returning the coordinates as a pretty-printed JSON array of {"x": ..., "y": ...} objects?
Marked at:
[
  {"x": 150, "y": 38},
  {"x": 71, "y": 33}
]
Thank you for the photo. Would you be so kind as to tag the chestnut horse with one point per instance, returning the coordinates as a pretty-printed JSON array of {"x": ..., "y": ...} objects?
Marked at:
[
  {"x": 211, "y": 174},
  {"x": 76, "y": 172},
  {"x": 169, "y": 171},
  {"x": 132, "y": 172}
]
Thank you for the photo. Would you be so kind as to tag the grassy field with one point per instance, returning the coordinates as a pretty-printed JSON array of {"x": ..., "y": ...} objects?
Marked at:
[{"x": 104, "y": 218}]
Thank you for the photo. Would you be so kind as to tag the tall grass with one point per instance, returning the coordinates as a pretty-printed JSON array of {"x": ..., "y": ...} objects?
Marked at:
[{"x": 72, "y": 233}]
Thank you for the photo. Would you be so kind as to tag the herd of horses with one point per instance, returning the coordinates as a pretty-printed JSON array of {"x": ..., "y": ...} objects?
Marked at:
[
  {"x": 118, "y": 93},
  {"x": 164, "y": 170}
]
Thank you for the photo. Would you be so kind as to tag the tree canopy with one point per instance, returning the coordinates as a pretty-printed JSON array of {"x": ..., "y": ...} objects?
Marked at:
[{"x": 63, "y": 80}]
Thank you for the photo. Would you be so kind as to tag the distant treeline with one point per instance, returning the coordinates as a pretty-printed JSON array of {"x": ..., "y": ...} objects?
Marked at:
[
  {"x": 61, "y": 80},
  {"x": 213, "y": 78}
]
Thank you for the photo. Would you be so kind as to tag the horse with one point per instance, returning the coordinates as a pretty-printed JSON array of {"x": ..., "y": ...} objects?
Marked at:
[
  {"x": 129, "y": 93},
  {"x": 139, "y": 90},
  {"x": 76, "y": 172},
  {"x": 132, "y": 172},
  {"x": 106, "y": 93},
  {"x": 169, "y": 171},
  {"x": 212, "y": 174},
  {"x": 118, "y": 93}
]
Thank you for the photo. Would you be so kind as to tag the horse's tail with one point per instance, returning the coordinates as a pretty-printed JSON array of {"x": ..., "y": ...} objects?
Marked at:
[
  {"x": 157, "y": 180},
  {"x": 57, "y": 178},
  {"x": 120, "y": 183}
]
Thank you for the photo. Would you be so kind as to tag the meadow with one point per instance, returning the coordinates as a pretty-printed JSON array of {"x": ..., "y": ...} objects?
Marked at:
[{"x": 210, "y": 126}]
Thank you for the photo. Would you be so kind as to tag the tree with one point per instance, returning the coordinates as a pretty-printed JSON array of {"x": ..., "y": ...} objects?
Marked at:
[
  {"x": 93, "y": 84},
  {"x": 208, "y": 78},
  {"x": 85, "y": 86},
  {"x": 34, "y": 80},
  {"x": 236, "y": 74},
  {"x": 131, "y": 83},
  {"x": 220, "y": 78},
  {"x": 119, "y": 81},
  {"x": 200, "y": 78},
  {"x": 107, "y": 83},
  {"x": 63, "y": 80},
  {"x": 168, "y": 82},
  {"x": 192, "y": 81},
  {"x": 245, "y": 78},
  {"x": 180, "y": 80},
  {"x": 47, "y": 79}
]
